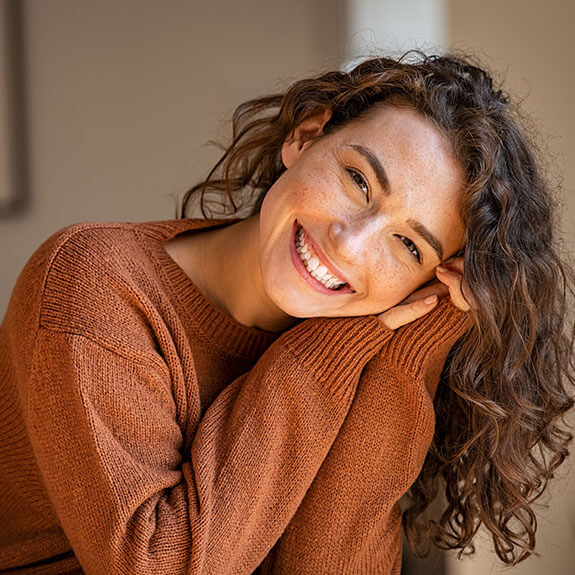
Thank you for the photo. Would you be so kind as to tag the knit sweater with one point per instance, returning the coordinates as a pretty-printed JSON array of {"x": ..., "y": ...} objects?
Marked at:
[{"x": 143, "y": 430}]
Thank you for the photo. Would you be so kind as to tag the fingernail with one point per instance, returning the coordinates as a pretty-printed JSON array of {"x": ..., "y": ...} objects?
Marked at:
[
  {"x": 430, "y": 299},
  {"x": 441, "y": 269}
]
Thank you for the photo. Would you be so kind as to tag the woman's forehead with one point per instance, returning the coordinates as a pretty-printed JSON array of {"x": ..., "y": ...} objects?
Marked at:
[{"x": 391, "y": 120}]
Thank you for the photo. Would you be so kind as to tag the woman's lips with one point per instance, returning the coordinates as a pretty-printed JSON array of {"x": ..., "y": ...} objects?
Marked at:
[{"x": 305, "y": 253}]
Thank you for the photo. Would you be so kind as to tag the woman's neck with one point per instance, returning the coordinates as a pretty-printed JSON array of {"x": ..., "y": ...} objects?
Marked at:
[{"x": 224, "y": 265}]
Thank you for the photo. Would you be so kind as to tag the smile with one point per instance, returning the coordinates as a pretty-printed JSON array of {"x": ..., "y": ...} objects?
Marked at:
[
  {"x": 316, "y": 270},
  {"x": 313, "y": 265}
]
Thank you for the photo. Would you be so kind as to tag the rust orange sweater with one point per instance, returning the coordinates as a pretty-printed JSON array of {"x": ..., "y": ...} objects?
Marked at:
[{"x": 142, "y": 430}]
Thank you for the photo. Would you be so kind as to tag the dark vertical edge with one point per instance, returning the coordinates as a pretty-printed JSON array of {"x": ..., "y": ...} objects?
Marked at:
[{"x": 17, "y": 103}]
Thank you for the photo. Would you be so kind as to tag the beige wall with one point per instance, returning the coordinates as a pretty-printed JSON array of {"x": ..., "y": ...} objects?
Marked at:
[
  {"x": 123, "y": 95},
  {"x": 531, "y": 44}
]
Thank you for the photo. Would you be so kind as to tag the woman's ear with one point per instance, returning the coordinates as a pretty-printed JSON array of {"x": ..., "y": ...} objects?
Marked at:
[{"x": 303, "y": 135}]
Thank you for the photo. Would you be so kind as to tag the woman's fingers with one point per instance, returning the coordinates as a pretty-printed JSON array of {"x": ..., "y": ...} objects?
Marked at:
[
  {"x": 403, "y": 314},
  {"x": 454, "y": 264},
  {"x": 433, "y": 288},
  {"x": 452, "y": 277}
]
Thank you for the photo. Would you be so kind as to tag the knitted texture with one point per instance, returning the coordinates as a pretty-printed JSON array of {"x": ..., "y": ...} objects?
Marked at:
[{"x": 143, "y": 430}]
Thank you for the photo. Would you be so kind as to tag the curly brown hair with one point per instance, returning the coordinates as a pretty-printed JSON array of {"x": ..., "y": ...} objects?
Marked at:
[{"x": 507, "y": 383}]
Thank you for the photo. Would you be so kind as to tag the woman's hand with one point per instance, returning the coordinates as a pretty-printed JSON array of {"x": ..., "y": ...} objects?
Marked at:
[
  {"x": 450, "y": 274},
  {"x": 422, "y": 301}
]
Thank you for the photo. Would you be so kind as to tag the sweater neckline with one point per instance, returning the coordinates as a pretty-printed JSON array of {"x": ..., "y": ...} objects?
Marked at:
[{"x": 194, "y": 307}]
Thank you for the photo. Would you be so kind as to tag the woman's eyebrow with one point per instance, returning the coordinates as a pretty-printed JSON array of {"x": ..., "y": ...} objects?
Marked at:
[
  {"x": 375, "y": 164},
  {"x": 429, "y": 237}
]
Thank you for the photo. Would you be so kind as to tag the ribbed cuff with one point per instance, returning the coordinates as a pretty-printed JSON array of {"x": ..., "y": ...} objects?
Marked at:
[
  {"x": 418, "y": 342},
  {"x": 336, "y": 349}
]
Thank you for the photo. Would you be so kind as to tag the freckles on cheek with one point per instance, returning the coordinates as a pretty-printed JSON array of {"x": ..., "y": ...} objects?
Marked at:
[
  {"x": 396, "y": 285},
  {"x": 303, "y": 194}
]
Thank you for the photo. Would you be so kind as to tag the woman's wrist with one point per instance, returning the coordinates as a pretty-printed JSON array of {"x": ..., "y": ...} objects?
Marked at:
[{"x": 335, "y": 348}]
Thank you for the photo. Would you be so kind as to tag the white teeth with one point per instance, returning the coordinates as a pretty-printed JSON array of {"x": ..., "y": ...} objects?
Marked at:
[
  {"x": 312, "y": 263},
  {"x": 313, "y": 266}
]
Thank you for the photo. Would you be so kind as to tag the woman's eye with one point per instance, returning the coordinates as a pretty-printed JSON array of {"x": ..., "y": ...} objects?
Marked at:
[
  {"x": 359, "y": 181},
  {"x": 411, "y": 247}
]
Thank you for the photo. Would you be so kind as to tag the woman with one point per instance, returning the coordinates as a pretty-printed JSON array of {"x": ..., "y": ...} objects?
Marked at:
[{"x": 166, "y": 409}]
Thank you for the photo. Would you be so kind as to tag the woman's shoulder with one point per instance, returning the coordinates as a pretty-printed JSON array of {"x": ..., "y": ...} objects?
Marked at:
[
  {"x": 80, "y": 251},
  {"x": 87, "y": 274},
  {"x": 103, "y": 245},
  {"x": 114, "y": 235}
]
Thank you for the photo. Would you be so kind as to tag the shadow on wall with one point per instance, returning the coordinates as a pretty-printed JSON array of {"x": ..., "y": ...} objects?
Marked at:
[
  {"x": 434, "y": 564},
  {"x": 13, "y": 169}
]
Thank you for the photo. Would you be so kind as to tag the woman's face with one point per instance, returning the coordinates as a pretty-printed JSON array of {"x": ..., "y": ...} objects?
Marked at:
[{"x": 361, "y": 217}]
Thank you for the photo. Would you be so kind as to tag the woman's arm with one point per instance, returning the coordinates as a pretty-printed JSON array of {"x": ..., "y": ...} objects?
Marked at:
[
  {"x": 349, "y": 520},
  {"x": 105, "y": 435}
]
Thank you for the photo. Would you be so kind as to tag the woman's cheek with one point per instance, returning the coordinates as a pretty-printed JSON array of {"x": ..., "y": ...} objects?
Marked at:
[{"x": 394, "y": 282}]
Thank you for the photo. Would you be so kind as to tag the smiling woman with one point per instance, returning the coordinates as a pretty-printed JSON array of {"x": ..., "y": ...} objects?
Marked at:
[
  {"x": 360, "y": 230},
  {"x": 256, "y": 395}
]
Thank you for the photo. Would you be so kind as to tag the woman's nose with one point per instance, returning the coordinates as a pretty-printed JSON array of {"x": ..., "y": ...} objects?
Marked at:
[{"x": 353, "y": 240}]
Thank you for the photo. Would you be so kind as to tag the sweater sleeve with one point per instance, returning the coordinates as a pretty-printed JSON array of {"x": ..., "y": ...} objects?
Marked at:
[
  {"x": 349, "y": 521},
  {"x": 105, "y": 433}
]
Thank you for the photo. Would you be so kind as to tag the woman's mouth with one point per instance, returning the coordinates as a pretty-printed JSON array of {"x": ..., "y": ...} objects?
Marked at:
[{"x": 307, "y": 258}]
